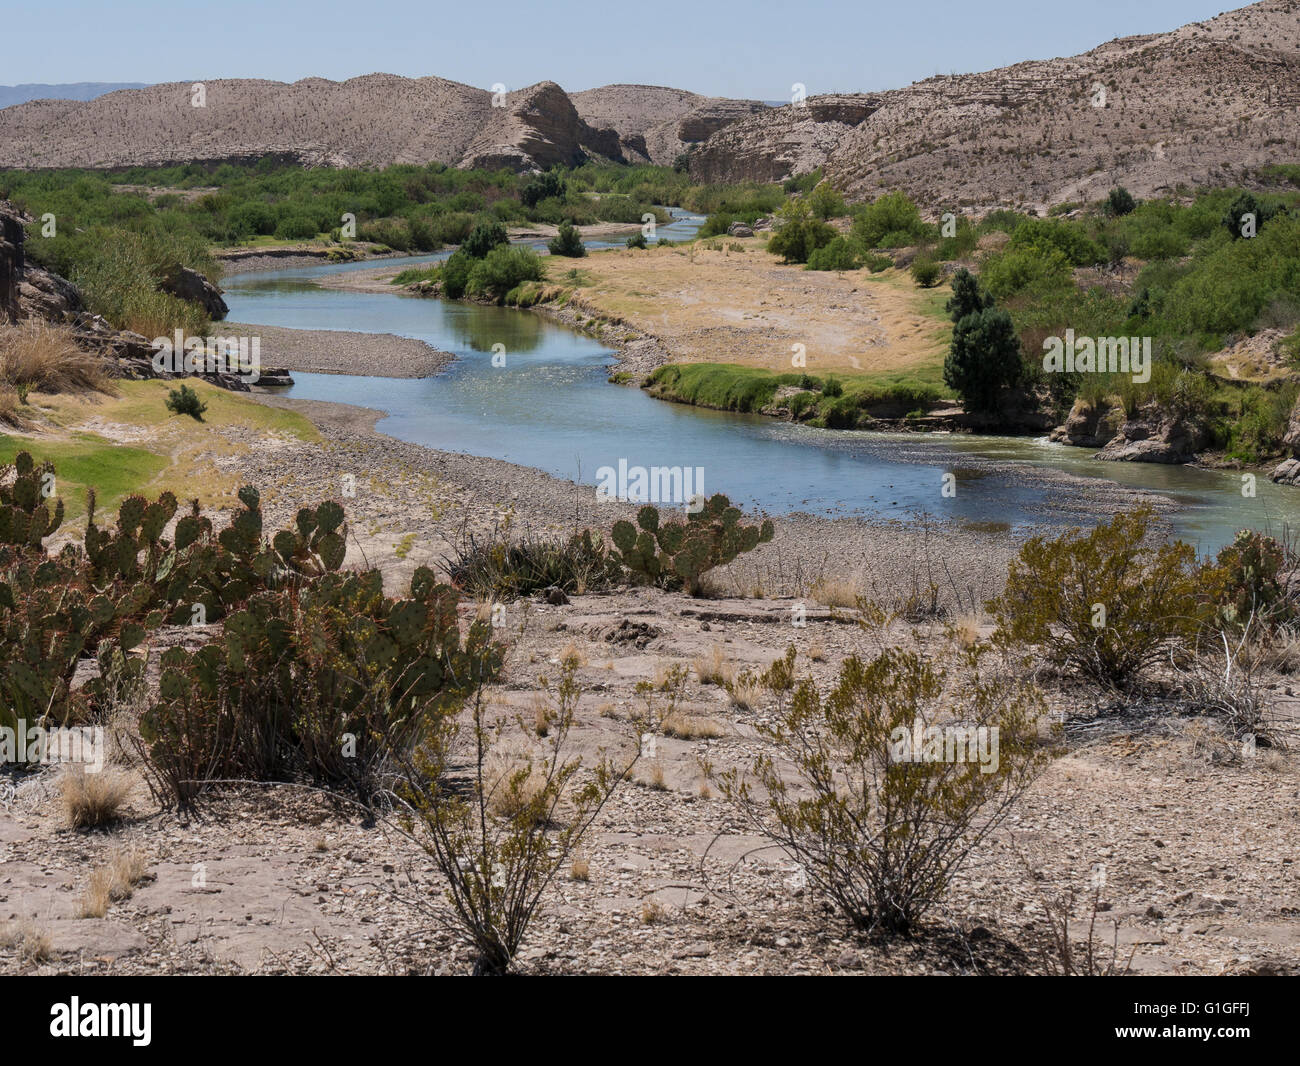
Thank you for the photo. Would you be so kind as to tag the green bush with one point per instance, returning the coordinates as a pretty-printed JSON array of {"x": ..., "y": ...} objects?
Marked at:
[
  {"x": 824, "y": 202},
  {"x": 483, "y": 238},
  {"x": 841, "y": 253},
  {"x": 568, "y": 243},
  {"x": 1120, "y": 201},
  {"x": 504, "y": 268},
  {"x": 637, "y": 240},
  {"x": 892, "y": 221},
  {"x": 185, "y": 401},
  {"x": 799, "y": 233},
  {"x": 926, "y": 272},
  {"x": 1103, "y": 603},
  {"x": 968, "y": 298}
]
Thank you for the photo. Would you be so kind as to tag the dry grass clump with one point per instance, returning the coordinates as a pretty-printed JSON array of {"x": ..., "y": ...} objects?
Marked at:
[
  {"x": 836, "y": 591},
  {"x": 713, "y": 668},
  {"x": 30, "y": 944},
  {"x": 580, "y": 868},
  {"x": 92, "y": 800},
  {"x": 11, "y": 409},
  {"x": 653, "y": 911},
  {"x": 112, "y": 883},
  {"x": 746, "y": 691},
  {"x": 512, "y": 784},
  {"x": 654, "y": 778},
  {"x": 690, "y": 727},
  {"x": 37, "y": 355}
]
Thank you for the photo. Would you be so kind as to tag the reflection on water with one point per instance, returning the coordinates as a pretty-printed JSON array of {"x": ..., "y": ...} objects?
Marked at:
[{"x": 550, "y": 407}]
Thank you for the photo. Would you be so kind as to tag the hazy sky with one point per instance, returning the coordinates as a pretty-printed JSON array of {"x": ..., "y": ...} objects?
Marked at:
[{"x": 756, "y": 48}]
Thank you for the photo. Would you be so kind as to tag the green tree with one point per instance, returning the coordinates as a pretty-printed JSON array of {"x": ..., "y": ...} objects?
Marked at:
[
  {"x": 968, "y": 296},
  {"x": 984, "y": 359},
  {"x": 542, "y": 187},
  {"x": 1120, "y": 201}
]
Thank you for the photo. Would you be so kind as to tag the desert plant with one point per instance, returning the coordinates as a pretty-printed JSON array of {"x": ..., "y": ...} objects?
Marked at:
[
  {"x": 968, "y": 298},
  {"x": 1120, "y": 201},
  {"x": 501, "y": 565},
  {"x": 499, "y": 853},
  {"x": 675, "y": 553},
  {"x": 1102, "y": 602},
  {"x": 925, "y": 272},
  {"x": 637, "y": 240},
  {"x": 185, "y": 401},
  {"x": 900, "y": 771},
  {"x": 483, "y": 238}
]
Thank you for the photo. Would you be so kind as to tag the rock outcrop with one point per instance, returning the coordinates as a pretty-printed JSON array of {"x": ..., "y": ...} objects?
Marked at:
[
  {"x": 1089, "y": 427},
  {"x": 192, "y": 286},
  {"x": 11, "y": 260},
  {"x": 1149, "y": 112},
  {"x": 1157, "y": 437},
  {"x": 373, "y": 120}
]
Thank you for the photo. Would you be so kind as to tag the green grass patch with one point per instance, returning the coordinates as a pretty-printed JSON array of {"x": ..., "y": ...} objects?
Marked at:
[{"x": 114, "y": 470}]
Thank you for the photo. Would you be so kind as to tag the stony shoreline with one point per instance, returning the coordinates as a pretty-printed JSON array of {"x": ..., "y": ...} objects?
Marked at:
[{"x": 321, "y": 351}]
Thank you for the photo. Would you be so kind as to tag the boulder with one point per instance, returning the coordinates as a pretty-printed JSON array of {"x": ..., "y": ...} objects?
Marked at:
[
  {"x": 190, "y": 285},
  {"x": 1167, "y": 440},
  {"x": 42, "y": 294},
  {"x": 1291, "y": 439},
  {"x": 1287, "y": 472},
  {"x": 739, "y": 229},
  {"x": 1089, "y": 427}
]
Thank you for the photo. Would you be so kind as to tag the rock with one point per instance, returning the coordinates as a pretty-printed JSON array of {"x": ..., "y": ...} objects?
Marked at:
[
  {"x": 1156, "y": 439},
  {"x": 1291, "y": 439},
  {"x": 555, "y": 596},
  {"x": 192, "y": 286},
  {"x": 1287, "y": 472},
  {"x": 11, "y": 260},
  {"x": 48, "y": 296},
  {"x": 739, "y": 229},
  {"x": 1089, "y": 427}
]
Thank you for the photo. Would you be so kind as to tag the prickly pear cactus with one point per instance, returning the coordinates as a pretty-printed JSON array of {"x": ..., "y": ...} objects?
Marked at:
[
  {"x": 25, "y": 515},
  {"x": 673, "y": 552}
]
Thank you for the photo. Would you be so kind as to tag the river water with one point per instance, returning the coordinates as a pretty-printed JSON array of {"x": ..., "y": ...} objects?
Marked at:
[{"x": 552, "y": 408}]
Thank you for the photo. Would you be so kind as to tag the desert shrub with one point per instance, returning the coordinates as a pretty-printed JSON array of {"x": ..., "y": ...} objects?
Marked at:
[
  {"x": 876, "y": 263},
  {"x": 568, "y": 242},
  {"x": 832, "y": 387},
  {"x": 1120, "y": 201},
  {"x": 885, "y": 796},
  {"x": 925, "y": 272},
  {"x": 185, "y": 401},
  {"x": 500, "y": 836},
  {"x": 483, "y": 238},
  {"x": 892, "y": 221},
  {"x": 968, "y": 297},
  {"x": 1234, "y": 219},
  {"x": 1038, "y": 270},
  {"x": 503, "y": 268},
  {"x": 839, "y": 254},
  {"x": 504, "y": 566},
  {"x": 983, "y": 359},
  {"x": 825, "y": 202},
  {"x": 637, "y": 240},
  {"x": 799, "y": 234},
  {"x": 1102, "y": 603},
  {"x": 453, "y": 273},
  {"x": 1065, "y": 237},
  {"x": 1243, "y": 583}
]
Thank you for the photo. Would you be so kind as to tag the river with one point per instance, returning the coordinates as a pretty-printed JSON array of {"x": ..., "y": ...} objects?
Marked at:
[{"x": 552, "y": 408}]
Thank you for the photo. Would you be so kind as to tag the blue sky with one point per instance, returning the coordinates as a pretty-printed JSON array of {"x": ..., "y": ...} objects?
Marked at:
[{"x": 755, "y": 48}]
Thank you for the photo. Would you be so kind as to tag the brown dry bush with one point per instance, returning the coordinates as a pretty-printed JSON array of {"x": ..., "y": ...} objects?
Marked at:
[{"x": 92, "y": 800}]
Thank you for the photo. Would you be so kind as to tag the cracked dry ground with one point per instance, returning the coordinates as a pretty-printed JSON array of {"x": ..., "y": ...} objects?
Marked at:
[{"x": 1199, "y": 845}]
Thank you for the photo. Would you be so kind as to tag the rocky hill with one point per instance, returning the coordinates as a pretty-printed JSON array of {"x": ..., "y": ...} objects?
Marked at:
[
  {"x": 1205, "y": 103},
  {"x": 376, "y": 119}
]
